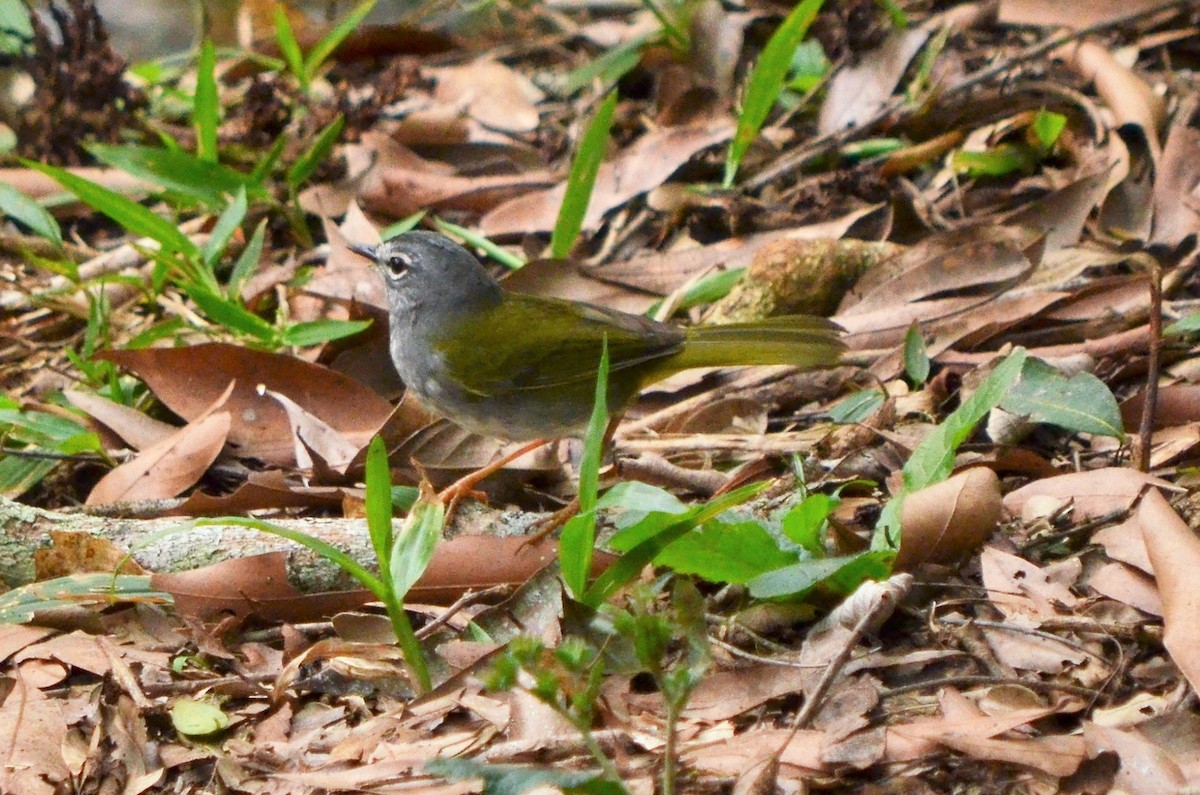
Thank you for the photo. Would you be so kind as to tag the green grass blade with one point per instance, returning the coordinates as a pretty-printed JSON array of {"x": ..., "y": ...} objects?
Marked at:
[
  {"x": 133, "y": 217},
  {"x": 227, "y": 223},
  {"x": 230, "y": 314},
  {"x": 285, "y": 37},
  {"x": 308, "y": 162},
  {"x": 578, "y": 540},
  {"x": 473, "y": 238},
  {"x": 206, "y": 106},
  {"x": 247, "y": 261},
  {"x": 766, "y": 81},
  {"x": 582, "y": 179},
  {"x": 325, "y": 47},
  {"x": 185, "y": 174},
  {"x": 318, "y": 332},
  {"x": 379, "y": 503},
  {"x": 21, "y": 208}
]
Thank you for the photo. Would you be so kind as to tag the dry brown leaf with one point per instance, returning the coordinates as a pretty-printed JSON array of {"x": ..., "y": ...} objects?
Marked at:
[
  {"x": 1068, "y": 13},
  {"x": 1174, "y": 552},
  {"x": 950, "y": 519},
  {"x": 490, "y": 93},
  {"x": 168, "y": 468},
  {"x": 187, "y": 380},
  {"x": 1131, "y": 99},
  {"x": 1145, "y": 768},
  {"x": 137, "y": 429},
  {"x": 1177, "y": 183},
  {"x": 856, "y": 93},
  {"x": 33, "y": 729},
  {"x": 1126, "y": 584},
  {"x": 1097, "y": 492}
]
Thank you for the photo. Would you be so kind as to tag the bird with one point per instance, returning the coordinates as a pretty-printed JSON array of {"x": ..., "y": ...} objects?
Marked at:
[{"x": 523, "y": 367}]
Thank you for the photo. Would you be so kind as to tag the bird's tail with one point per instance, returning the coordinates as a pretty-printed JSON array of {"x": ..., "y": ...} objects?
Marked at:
[{"x": 797, "y": 340}]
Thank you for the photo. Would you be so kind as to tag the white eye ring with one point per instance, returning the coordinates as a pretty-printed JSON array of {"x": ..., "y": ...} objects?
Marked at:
[{"x": 398, "y": 265}]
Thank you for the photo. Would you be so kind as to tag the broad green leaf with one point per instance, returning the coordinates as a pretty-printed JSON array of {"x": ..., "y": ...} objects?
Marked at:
[
  {"x": 206, "y": 182},
  {"x": 518, "y": 779},
  {"x": 582, "y": 178},
  {"x": 712, "y": 287},
  {"x": 18, "y": 474},
  {"x": 1047, "y": 127},
  {"x": 733, "y": 552},
  {"x": 766, "y": 81},
  {"x": 809, "y": 66},
  {"x": 857, "y": 407},
  {"x": 193, "y": 718},
  {"x": 1185, "y": 325},
  {"x": 837, "y": 576},
  {"x": 1081, "y": 402},
  {"x": 933, "y": 459},
  {"x": 308, "y": 162},
  {"x": 804, "y": 523},
  {"x": 415, "y": 543},
  {"x": 318, "y": 332},
  {"x": 206, "y": 107},
  {"x": 325, "y": 47},
  {"x": 21, "y": 208},
  {"x": 135, "y": 218},
  {"x": 633, "y": 496},
  {"x": 999, "y": 161},
  {"x": 916, "y": 358},
  {"x": 227, "y": 223},
  {"x": 28, "y": 602}
]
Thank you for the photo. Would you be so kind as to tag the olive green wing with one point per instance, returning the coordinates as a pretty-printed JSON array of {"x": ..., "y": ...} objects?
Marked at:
[{"x": 529, "y": 342}]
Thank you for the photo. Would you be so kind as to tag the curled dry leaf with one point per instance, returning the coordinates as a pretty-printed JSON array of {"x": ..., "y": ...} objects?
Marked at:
[
  {"x": 1177, "y": 184},
  {"x": 1174, "y": 552},
  {"x": 167, "y": 468},
  {"x": 950, "y": 519},
  {"x": 134, "y": 427},
  {"x": 187, "y": 380},
  {"x": 1094, "y": 493},
  {"x": 1131, "y": 99}
]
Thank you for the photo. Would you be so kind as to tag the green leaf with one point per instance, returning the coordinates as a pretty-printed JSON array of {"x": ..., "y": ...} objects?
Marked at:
[
  {"x": 206, "y": 182},
  {"x": 206, "y": 107},
  {"x": 576, "y": 544},
  {"x": 28, "y": 602},
  {"x": 857, "y": 407},
  {"x": 135, "y": 218},
  {"x": 1185, "y": 325},
  {"x": 21, "y": 208},
  {"x": 472, "y": 238},
  {"x": 629, "y": 565},
  {"x": 18, "y": 474},
  {"x": 999, "y": 161},
  {"x": 809, "y": 66},
  {"x": 1081, "y": 403},
  {"x": 247, "y": 262},
  {"x": 608, "y": 68},
  {"x": 415, "y": 543},
  {"x": 837, "y": 576},
  {"x": 733, "y": 552},
  {"x": 227, "y": 223},
  {"x": 325, "y": 47},
  {"x": 193, "y": 718},
  {"x": 766, "y": 81},
  {"x": 582, "y": 178},
  {"x": 1047, "y": 127},
  {"x": 804, "y": 523},
  {"x": 872, "y": 147},
  {"x": 633, "y": 496},
  {"x": 230, "y": 314},
  {"x": 406, "y": 224},
  {"x": 285, "y": 37},
  {"x": 517, "y": 779},
  {"x": 712, "y": 287},
  {"x": 378, "y": 502},
  {"x": 916, "y": 358},
  {"x": 933, "y": 460},
  {"x": 264, "y": 167},
  {"x": 308, "y": 162},
  {"x": 318, "y": 332}
]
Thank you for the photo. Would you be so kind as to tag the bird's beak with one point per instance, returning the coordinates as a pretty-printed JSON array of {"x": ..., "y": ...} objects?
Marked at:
[{"x": 363, "y": 251}]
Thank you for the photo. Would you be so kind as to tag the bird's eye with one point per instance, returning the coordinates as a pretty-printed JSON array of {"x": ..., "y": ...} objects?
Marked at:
[{"x": 398, "y": 264}]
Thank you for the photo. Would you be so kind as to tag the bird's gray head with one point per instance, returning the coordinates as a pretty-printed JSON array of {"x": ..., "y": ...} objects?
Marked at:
[{"x": 427, "y": 269}]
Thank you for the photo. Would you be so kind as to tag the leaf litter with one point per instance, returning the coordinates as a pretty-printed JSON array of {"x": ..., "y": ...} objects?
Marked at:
[{"x": 1047, "y": 642}]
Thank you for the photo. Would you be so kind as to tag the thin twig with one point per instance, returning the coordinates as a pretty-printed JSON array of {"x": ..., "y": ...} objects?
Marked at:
[{"x": 1153, "y": 361}]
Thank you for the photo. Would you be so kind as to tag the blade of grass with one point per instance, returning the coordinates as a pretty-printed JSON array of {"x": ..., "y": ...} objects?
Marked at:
[
  {"x": 289, "y": 48},
  {"x": 21, "y": 208},
  {"x": 247, "y": 262},
  {"x": 766, "y": 81},
  {"x": 308, "y": 162},
  {"x": 325, "y": 47},
  {"x": 582, "y": 178},
  {"x": 206, "y": 107},
  {"x": 206, "y": 182},
  {"x": 227, "y": 223},
  {"x": 577, "y": 544},
  {"x": 472, "y": 238},
  {"x": 133, "y": 217}
]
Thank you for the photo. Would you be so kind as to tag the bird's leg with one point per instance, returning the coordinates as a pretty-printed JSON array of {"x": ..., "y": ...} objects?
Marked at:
[
  {"x": 548, "y": 524},
  {"x": 465, "y": 486}
]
